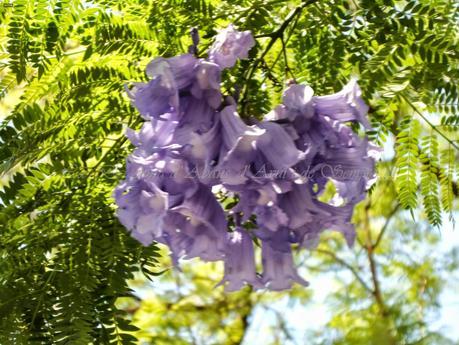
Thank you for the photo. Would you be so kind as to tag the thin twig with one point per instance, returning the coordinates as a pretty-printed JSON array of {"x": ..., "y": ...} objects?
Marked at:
[
  {"x": 178, "y": 285},
  {"x": 385, "y": 226},
  {"x": 377, "y": 294},
  {"x": 280, "y": 53},
  {"x": 288, "y": 70},
  {"x": 348, "y": 266},
  {"x": 452, "y": 143},
  {"x": 275, "y": 35},
  {"x": 282, "y": 324},
  {"x": 371, "y": 260}
]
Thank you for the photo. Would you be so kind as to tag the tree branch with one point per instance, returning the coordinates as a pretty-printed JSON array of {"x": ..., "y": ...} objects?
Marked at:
[
  {"x": 275, "y": 35},
  {"x": 281, "y": 52},
  {"x": 385, "y": 226},
  {"x": 374, "y": 274},
  {"x": 288, "y": 70},
  {"x": 377, "y": 294},
  {"x": 451, "y": 142},
  {"x": 348, "y": 266},
  {"x": 245, "y": 321}
]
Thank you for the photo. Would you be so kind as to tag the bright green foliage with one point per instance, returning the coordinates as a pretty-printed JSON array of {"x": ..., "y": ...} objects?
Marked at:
[
  {"x": 446, "y": 179},
  {"x": 429, "y": 179},
  {"x": 64, "y": 258},
  {"x": 407, "y": 161}
]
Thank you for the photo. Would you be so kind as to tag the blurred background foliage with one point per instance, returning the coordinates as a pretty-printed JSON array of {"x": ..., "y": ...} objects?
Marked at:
[{"x": 71, "y": 274}]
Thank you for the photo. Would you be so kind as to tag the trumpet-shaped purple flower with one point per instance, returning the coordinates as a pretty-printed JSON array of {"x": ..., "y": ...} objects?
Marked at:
[
  {"x": 207, "y": 83},
  {"x": 250, "y": 151},
  {"x": 346, "y": 105},
  {"x": 229, "y": 46},
  {"x": 270, "y": 216},
  {"x": 239, "y": 262},
  {"x": 298, "y": 101},
  {"x": 154, "y": 134},
  {"x": 154, "y": 98},
  {"x": 276, "y": 169},
  {"x": 141, "y": 209},
  {"x": 198, "y": 227},
  {"x": 176, "y": 72},
  {"x": 278, "y": 269}
]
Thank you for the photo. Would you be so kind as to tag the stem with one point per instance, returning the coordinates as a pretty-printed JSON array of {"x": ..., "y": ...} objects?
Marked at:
[
  {"x": 284, "y": 52},
  {"x": 385, "y": 226},
  {"x": 275, "y": 35},
  {"x": 348, "y": 266},
  {"x": 377, "y": 294},
  {"x": 67, "y": 54},
  {"x": 451, "y": 142},
  {"x": 245, "y": 319},
  {"x": 280, "y": 53},
  {"x": 40, "y": 299},
  {"x": 118, "y": 143},
  {"x": 374, "y": 274}
]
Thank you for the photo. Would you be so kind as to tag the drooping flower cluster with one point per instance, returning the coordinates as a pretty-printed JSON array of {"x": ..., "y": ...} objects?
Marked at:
[{"x": 194, "y": 141}]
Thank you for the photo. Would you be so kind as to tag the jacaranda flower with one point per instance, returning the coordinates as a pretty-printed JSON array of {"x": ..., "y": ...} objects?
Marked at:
[
  {"x": 193, "y": 142},
  {"x": 229, "y": 46},
  {"x": 240, "y": 262}
]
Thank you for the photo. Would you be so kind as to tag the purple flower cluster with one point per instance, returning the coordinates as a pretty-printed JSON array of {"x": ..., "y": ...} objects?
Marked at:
[{"x": 194, "y": 142}]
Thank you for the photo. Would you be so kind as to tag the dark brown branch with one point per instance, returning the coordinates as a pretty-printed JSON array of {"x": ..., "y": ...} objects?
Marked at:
[
  {"x": 280, "y": 53},
  {"x": 377, "y": 294},
  {"x": 374, "y": 274}
]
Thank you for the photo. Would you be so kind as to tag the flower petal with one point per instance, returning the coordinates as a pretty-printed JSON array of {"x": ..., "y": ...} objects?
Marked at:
[
  {"x": 346, "y": 105},
  {"x": 230, "y": 45},
  {"x": 239, "y": 262},
  {"x": 176, "y": 72},
  {"x": 278, "y": 269}
]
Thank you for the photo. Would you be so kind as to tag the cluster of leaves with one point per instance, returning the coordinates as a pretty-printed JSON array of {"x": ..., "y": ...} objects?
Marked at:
[
  {"x": 65, "y": 262},
  {"x": 63, "y": 66},
  {"x": 405, "y": 54},
  {"x": 65, "y": 257}
]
